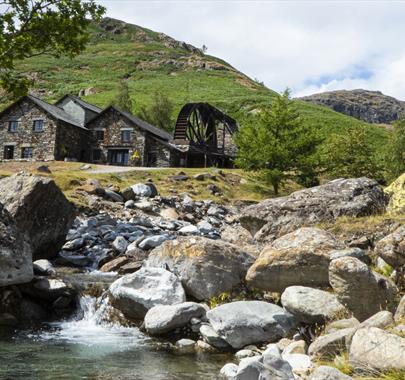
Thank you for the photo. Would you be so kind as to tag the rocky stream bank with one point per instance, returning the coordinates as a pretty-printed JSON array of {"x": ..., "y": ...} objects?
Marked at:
[{"x": 262, "y": 287}]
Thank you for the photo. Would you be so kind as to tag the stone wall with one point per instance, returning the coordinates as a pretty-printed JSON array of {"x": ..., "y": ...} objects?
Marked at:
[
  {"x": 72, "y": 142},
  {"x": 156, "y": 153},
  {"x": 43, "y": 143}
]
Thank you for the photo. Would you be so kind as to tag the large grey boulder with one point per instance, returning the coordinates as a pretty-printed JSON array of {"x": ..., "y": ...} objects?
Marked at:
[
  {"x": 162, "y": 319},
  {"x": 376, "y": 349},
  {"x": 40, "y": 209},
  {"x": 310, "y": 305},
  {"x": 205, "y": 267},
  {"x": 134, "y": 294},
  {"x": 328, "y": 373},
  {"x": 15, "y": 252},
  {"x": 392, "y": 248},
  {"x": 361, "y": 290},
  {"x": 247, "y": 322},
  {"x": 273, "y": 218},
  {"x": 147, "y": 190},
  {"x": 326, "y": 346},
  {"x": 298, "y": 258}
]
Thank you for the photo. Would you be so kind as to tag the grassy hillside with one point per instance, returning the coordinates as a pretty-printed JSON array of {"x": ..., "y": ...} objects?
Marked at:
[{"x": 152, "y": 61}]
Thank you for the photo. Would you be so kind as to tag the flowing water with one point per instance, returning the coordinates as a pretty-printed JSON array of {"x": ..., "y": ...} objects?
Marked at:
[{"x": 88, "y": 347}]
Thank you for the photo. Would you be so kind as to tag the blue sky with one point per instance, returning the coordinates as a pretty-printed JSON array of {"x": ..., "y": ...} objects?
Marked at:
[{"x": 308, "y": 46}]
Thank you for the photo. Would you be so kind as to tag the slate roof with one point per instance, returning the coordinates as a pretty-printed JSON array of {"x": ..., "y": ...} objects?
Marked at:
[{"x": 81, "y": 102}]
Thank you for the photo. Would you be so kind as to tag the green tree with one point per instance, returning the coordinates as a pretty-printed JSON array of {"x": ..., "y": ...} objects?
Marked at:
[
  {"x": 278, "y": 144},
  {"x": 159, "y": 112},
  {"x": 123, "y": 100},
  {"x": 30, "y": 28},
  {"x": 395, "y": 155},
  {"x": 351, "y": 154}
]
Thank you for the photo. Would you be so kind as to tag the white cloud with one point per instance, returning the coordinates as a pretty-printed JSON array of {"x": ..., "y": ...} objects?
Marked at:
[{"x": 309, "y": 46}]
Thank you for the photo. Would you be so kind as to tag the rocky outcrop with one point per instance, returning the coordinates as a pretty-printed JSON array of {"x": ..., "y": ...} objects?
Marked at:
[
  {"x": 369, "y": 106},
  {"x": 376, "y": 349},
  {"x": 40, "y": 209},
  {"x": 245, "y": 322},
  {"x": 298, "y": 258},
  {"x": 134, "y": 294},
  {"x": 273, "y": 218},
  {"x": 311, "y": 305},
  {"x": 205, "y": 267},
  {"x": 15, "y": 252},
  {"x": 361, "y": 290}
]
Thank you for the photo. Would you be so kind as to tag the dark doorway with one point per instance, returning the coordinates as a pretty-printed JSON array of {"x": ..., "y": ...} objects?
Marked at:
[
  {"x": 9, "y": 152},
  {"x": 118, "y": 157}
]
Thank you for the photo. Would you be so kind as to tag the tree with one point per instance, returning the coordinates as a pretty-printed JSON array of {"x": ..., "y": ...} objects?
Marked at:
[
  {"x": 351, "y": 154},
  {"x": 395, "y": 155},
  {"x": 123, "y": 100},
  {"x": 204, "y": 49},
  {"x": 160, "y": 112},
  {"x": 278, "y": 144},
  {"x": 30, "y": 28}
]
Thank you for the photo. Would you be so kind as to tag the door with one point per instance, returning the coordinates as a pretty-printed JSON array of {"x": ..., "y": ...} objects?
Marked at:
[
  {"x": 9, "y": 152},
  {"x": 119, "y": 156}
]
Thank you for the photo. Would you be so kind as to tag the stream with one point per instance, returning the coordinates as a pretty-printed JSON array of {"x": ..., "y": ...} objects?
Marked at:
[{"x": 88, "y": 347}]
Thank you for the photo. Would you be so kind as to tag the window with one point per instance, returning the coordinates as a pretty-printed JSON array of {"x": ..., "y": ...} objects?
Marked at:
[
  {"x": 26, "y": 152},
  {"x": 99, "y": 135},
  {"x": 96, "y": 155},
  {"x": 38, "y": 126},
  {"x": 13, "y": 126},
  {"x": 9, "y": 152},
  {"x": 126, "y": 136}
]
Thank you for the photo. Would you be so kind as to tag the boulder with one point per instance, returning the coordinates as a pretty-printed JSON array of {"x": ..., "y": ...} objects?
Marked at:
[
  {"x": 273, "y": 218},
  {"x": 40, "y": 209},
  {"x": 43, "y": 267},
  {"x": 247, "y": 322},
  {"x": 211, "y": 337},
  {"x": 361, "y": 290},
  {"x": 134, "y": 294},
  {"x": 311, "y": 305},
  {"x": 396, "y": 194},
  {"x": 376, "y": 349},
  {"x": 120, "y": 244},
  {"x": 162, "y": 319},
  {"x": 328, "y": 373},
  {"x": 326, "y": 346},
  {"x": 48, "y": 289},
  {"x": 205, "y": 267},
  {"x": 113, "y": 196},
  {"x": 185, "y": 346},
  {"x": 15, "y": 252},
  {"x": 228, "y": 371},
  {"x": 115, "y": 264},
  {"x": 392, "y": 248},
  {"x": 400, "y": 311},
  {"x": 146, "y": 190},
  {"x": 295, "y": 347},
  {"x": 153, "y": 241},
  {"x": 298, "y": 258}
]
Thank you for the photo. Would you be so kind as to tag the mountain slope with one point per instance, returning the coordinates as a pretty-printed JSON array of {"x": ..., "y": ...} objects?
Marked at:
[
  {"x": 369, "y": 106},
  {"x": 151, "y": 62}
]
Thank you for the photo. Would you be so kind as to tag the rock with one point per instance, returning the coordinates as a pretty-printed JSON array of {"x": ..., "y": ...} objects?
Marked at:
[
  {"x": 382, "y": 320},
  {"x": 189, "y": 230},
  {"x": 85, "y": 167},
  {"x": 298, "y": 362},
  {"x": 169, "y": 213},
  {"x": 153, "y": 241},
  {"x": 15, "y": 252},
  {"x": 120, "y": 244},
  {"x": 341, "y": 324},
  {"x": 144, "y": 205},
  {"x": 211, "y": 337},
  {"x": 353, "y": 281},
  {"x": 311, "y": 305},
  {"x": 134, "y": 294},
  {"x": 43, "y": 267},
  {"x": 7, "y": 319},
  {"x": 185, "y": 346},
  {"x": 129, "y": 204},
  {"x": 205, "y": 267},
  {"x": 241, "y": 354},
  {"x": 278, "y": 368},
  {"x": 179, "y": 178},
  {"x": 114, "y": 196},
  {"x": 273, "y": 218},
  {"x": 328, "y": 373},
  {"x": 203, "y": 176},
  {"x": 162, "y": 319},
  {"x": 44, "y": 169},
  {"x": 247, "y": 322},
  {"x": 298, "y": 258},
  {"x": 115, "y": 264},
  {"x": 392, "y": 248},
  {"x": 47, "y": 289},
  {"x": 396, "y": 194},
  {"x": 205, "y": 227},
  {"x": 228, "y": 371},
  {"x": 327, "y": 346},
  {"x": 355, "y": 252},
  {"x": 376, "y": 349},
  {"x": 74, "y": 245},
  {"x": 146, "y": 190},
  {"x": 205, "y": 347},
  {"x": 128, "y": 194},
  {"x": 400, "y": 312},
  {"x": 40, "y": 209},
  {"x": 296, "y": 347}
]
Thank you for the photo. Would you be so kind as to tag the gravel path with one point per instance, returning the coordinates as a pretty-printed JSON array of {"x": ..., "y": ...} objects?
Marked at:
[{"x": 105, "y": 169}]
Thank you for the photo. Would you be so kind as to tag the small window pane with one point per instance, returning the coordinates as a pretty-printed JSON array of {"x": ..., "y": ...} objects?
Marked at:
[
  {"x": 99, "y": 135},
  {"x": 126, "y": 136},
  {"x": 26, "y": 152},
  {"x": 38, "y": 125},
  {"x": 13, "y": 126}
]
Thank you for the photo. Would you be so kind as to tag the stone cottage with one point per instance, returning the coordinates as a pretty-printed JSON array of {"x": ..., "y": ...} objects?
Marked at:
[{"x": 72, "y": 129}]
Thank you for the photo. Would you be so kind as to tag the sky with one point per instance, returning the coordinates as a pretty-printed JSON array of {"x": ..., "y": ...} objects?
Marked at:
[{"x": 307, "y": 46}]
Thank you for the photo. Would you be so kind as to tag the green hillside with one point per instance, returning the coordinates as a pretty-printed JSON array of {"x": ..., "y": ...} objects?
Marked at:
[{"x": 152, "y": 61}]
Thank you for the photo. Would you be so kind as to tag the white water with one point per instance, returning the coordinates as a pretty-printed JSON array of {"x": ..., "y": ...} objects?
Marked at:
[{"x": 91, "y": 328}]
